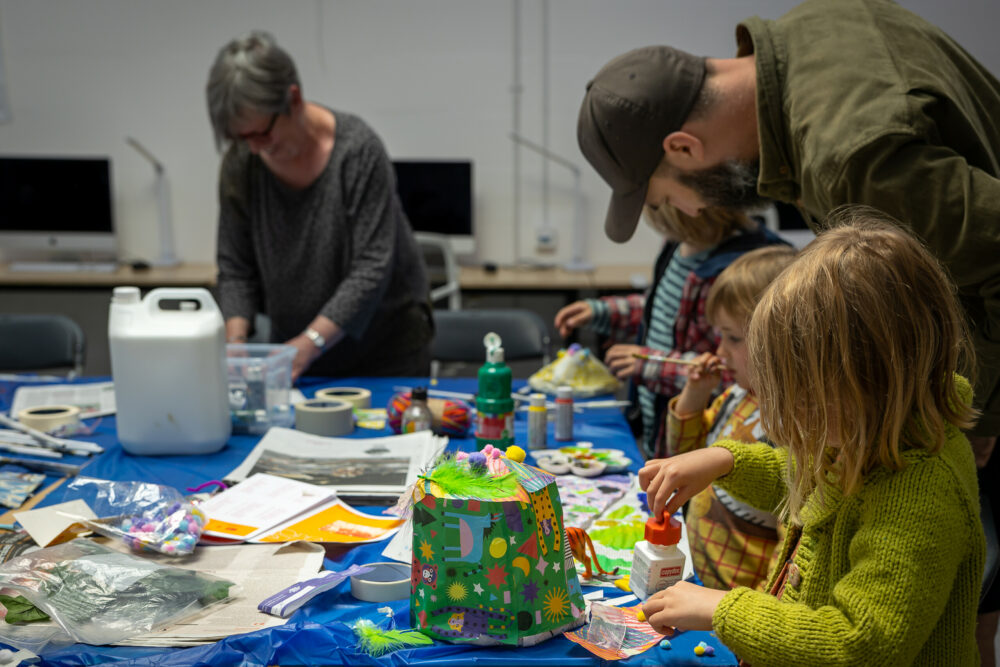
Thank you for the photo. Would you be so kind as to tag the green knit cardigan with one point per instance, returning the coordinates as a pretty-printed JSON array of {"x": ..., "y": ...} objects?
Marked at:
[{"x": 890, "y": 575}]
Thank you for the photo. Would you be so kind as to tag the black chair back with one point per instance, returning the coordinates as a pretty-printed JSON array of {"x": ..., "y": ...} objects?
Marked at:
[{"x": 41, "y": 342}]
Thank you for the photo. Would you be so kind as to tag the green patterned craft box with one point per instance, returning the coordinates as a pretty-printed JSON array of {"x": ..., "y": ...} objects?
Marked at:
[{"x": 493, "y": 571}]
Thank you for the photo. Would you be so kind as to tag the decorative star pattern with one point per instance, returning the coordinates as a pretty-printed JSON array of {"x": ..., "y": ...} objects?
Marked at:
[
  {"x": 477, "y": 588},
  {"x": 497, "y": 576},
  {"x": 530, "y": 591},
  {"x": 426, "y": 551}
]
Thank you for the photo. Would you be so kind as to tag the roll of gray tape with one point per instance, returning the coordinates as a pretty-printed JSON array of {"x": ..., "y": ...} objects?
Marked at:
[
  {"x": 356, "y": 396},
  {"x": 49, "y": 417},
  {"x": 386, "y": 581},
  {"x": 324, "y": 416}
]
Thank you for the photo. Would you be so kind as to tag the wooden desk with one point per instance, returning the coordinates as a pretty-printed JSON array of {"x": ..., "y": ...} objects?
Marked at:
[
  {"x": 182, "y": 275},
  {"x": 531, "y": 278},
  {"x": 86, "y": 296}
]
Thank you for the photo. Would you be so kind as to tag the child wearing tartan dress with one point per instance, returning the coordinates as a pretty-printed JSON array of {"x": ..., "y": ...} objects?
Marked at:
[{"x": 731, "y": 542}]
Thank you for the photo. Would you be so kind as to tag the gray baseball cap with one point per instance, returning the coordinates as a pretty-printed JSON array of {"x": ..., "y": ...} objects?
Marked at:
[{"x": 630, "y": 106}]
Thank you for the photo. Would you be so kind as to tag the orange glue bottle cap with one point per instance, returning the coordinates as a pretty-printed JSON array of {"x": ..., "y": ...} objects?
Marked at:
[{"x": 663, "y": 530}]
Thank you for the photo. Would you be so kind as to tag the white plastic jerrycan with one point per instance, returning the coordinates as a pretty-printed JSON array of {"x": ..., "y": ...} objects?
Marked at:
[{"x": 168, "y": 361}]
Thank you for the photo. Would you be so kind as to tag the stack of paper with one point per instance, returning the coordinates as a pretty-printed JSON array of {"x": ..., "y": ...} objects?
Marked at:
[
  {"x": 374, "y": 468},
  {"x": 265, "y": 508}
]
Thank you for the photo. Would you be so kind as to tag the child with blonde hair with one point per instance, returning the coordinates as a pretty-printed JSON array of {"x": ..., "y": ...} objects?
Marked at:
[
  {"x": 853, "y": 351},
  {"x": 731, "y": 542},
  {"x": 668, "y": 320}
]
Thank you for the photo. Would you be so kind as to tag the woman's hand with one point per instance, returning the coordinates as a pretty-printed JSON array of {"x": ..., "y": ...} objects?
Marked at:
[
  {"x": 702, "y": 379},
  {"x": 621, "y": 360},
  {"x": 306, "y": 352},
  {"x": 682, "y": 476},
  {"x": 683, "y": 605},
  {"x": 573, "y": 316}
]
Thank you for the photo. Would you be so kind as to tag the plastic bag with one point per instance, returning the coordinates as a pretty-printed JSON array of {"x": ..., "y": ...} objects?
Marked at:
[
  {"x": 100, "y": 596},
  {"x": 147, "y": 517},
  {"x": 577, "y": 368}
]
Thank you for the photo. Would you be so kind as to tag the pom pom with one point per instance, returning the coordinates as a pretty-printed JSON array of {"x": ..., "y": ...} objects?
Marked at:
[
  {"x": 477, "y": 460},
  {"x": 515, "y": 453}
]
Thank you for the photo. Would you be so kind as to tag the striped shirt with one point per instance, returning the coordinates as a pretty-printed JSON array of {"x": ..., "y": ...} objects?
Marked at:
[{"x": 660, "y": 334}]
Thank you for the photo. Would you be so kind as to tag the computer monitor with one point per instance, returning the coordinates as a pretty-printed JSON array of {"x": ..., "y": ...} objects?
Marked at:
[
  {"x": 437, "y": 197},
  {"x": 56, "y": 209}
]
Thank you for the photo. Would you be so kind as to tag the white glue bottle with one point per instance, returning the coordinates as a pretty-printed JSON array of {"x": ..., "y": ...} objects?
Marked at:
[{"x": 657, "y": 563}]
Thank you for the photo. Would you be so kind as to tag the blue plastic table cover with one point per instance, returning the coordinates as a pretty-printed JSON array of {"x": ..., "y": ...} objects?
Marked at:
[{"x": 319, "y": 633}]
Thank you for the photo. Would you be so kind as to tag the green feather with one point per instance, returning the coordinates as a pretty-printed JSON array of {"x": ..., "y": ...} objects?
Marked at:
[
  {"x": 376, "y": 642},
  {"x": 456, "y": 479}
]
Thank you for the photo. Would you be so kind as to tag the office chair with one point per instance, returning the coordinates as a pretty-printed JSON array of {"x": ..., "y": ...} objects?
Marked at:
[
  {"x": 41, "y": 342},
  {"x": 442, "y": 268},
  {"x": 458, "y": 338}
]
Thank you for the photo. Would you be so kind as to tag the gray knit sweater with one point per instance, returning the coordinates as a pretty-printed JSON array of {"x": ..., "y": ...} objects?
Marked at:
[{"x": 342, "y": 247}]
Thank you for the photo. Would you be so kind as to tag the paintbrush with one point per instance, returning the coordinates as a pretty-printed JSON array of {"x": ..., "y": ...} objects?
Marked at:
[{"x": 671, "y": 360}]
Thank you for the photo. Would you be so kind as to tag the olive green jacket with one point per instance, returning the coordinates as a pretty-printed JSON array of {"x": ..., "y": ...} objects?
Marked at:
[
  {"x": 889, "y": 575},
  {"x": 863, "y": 102}
]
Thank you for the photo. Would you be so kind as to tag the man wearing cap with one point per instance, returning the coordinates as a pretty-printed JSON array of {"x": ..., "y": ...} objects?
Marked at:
[{"x": 858, "y": 101}]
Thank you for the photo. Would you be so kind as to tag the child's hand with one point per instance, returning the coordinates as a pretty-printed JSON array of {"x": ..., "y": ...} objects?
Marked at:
[
  {"x": 683, "y": 605},
  {"x": 621, "y": 362},
  {"x": 682, "y": 476},
  {"x": 702, "y": 379},
  {"x": 573, "y": 316}
]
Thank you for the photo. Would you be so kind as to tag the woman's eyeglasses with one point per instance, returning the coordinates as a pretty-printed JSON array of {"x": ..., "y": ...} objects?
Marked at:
[{"x": 264, "y": 134}]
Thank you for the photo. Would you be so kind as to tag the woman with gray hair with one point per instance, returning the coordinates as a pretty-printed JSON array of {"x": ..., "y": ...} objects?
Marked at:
[{"x": 311, "y": 230}]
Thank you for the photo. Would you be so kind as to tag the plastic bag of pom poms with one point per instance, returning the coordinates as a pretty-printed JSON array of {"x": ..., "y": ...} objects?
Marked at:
[
  {"x": 577, "y": 368},
  {"x": 451, "y": 417},
  {"x": 147, "y": 517}
]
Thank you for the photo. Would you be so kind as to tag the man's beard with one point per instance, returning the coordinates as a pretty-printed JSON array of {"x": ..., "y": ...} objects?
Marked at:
[{"x": 732, "y": 185}]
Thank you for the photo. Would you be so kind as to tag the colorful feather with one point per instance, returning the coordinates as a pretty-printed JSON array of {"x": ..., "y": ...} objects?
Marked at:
[
  {"x": 458, "y": 479},
  {"x": 376, "y": 642}
]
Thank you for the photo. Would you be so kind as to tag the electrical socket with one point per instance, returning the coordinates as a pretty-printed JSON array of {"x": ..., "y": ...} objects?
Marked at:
[{"x": 545, "y": 241}]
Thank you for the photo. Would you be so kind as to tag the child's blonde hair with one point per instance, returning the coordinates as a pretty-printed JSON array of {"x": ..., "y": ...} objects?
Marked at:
[
  {"x": 853, "y": 351},
  {"x": 740, "y": 285},
  {"x": 713, "y": 226}
]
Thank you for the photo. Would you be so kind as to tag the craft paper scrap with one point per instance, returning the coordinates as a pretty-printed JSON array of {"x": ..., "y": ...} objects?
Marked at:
[
  {"x": 15, "y": 487},
  {"x": 615, "y": 633},
  {"x": 55, "y": 523},
  {"x": 335, "y": 521},
  {"x": 286, "y": 601},
  {"x": 259, "y": 503}
]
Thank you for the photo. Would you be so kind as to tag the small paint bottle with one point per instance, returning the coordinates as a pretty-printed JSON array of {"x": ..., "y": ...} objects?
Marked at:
[
  {"x": 564, "y": 413},
  {"x": 417, "y": 416},
  {"x": 538, "y": 418},
  {"x": 657, "y": 562}
]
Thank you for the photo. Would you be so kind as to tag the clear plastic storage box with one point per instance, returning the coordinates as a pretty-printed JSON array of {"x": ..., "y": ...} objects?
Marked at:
[{"x": 260, "y": 381}]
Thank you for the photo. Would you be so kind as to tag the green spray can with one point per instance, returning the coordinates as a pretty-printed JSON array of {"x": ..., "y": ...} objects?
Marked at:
[{"x": 494, "y": 405}]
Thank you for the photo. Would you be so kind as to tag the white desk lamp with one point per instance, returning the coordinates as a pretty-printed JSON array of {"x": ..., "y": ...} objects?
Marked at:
[
  {"x": 167, "y": 255},
  {"x": 577, "y": 262}
]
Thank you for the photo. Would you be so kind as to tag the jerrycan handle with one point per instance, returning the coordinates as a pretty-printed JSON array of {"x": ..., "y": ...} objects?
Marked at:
[{"x": 206, "y": 304}]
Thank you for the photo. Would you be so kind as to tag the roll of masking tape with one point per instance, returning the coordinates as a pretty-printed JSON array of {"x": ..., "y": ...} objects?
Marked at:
[
  {"x": 324, "y": 416},
  {"x": 356, "y": 396},
  {"x": 49, "y": 417},
  {"x": 385, "y": 581}
]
